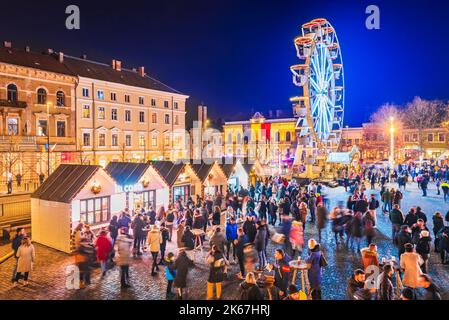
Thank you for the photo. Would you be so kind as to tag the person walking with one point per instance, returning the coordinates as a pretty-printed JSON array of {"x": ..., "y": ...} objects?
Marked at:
[
  {"x": 259, "y": 243},
  {"x": 396, "y": 219},
  {"x": 26, "y": 256},
  {"x": 103, "y": 248},
  {"x": 165, "y": 234},
  {"x": 182, "y": 266},
  {"x": 170, "y": 274},
  {"x": 216, "y": 261},
  {"x": 411, "y": 263},
  {"x": 315, "y": 262},
  {"x": 231, "y": 236},
  {"x": 322, "y": 215},
  {"x": 423, "y": 248},
  {"x": 239, "y": 243},
  {"x": 124, "y": 244},
  {"x": 154, "y": 241},
  {"x": 385, "y": 283},
  {"x": 355, "y": 283},
  {"x": 369, "y": 224},
  {"x": 113, "y": 229},
  {"x": 15, "y": 245}
]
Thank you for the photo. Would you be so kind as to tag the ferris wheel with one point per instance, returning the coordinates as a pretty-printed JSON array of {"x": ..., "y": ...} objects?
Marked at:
[{"x": 320, "y": 105}]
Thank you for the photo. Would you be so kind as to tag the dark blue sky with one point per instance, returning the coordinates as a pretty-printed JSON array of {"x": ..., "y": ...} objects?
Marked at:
[{"x": 235, "y": 55}]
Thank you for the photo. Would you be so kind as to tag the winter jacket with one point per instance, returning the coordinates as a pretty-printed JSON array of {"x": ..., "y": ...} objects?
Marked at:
[
  {"x": 282, "y": 274},
  {"x": 353, "y": 287},
  {"x": 314, "y": 271},
  {"x": 411, "y": 264},
  {"x": 124, "y": 244},
  {"x": 182, "y": 266},
  {"x": 401, "y": 239},
  {"x": 260, "y": 238},
  {"x": 250, "y": 292},
  {"x": 250, "y": 230},
  {"x": 386, "y": 289},
  {"x": 26, "y": 256},
  {"x": 396, "y": 217},
  {"x": 438, "y": 224},
  {"x": 410, "y": 219},
  {"x": 170, "y": 271},
  {"x": 423, "y": 247},
  {"x": 188, "y": 238},
  {"x": 369, "y": 258},
  {"x": 154, "y": 240},
  {"x": 218, "y": 239},
  {"x": 104, "y": 247},
  {"x": 231, "y": 231},
  {"x": 216, "y": 267}
]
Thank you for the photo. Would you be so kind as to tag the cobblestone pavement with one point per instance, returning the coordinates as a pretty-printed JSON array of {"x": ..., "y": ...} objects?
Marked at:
[{"x": 48, "y": 277}]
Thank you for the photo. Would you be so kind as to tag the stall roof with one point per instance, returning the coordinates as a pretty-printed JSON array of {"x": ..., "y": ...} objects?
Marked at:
[
  {"x": 65, "y": 182},
  {"x": 168, "y": 170},
  {"x": 202, "y": 170},
  {"x": 127, "y": 173}
]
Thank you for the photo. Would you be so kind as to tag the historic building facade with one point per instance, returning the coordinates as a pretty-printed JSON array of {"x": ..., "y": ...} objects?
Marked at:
[
  {"x": 271, "y": 141},
  {"x": 92, "y": 113}
]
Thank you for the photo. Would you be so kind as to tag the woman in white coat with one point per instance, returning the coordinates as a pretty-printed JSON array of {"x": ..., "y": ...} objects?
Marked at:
[{"x": 25, "y": 255}]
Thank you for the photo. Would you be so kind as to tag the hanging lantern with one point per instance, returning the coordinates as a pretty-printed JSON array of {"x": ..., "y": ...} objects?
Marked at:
[
  {"x": 145, "y": 183},
  {"x": 95, "y": 187}
]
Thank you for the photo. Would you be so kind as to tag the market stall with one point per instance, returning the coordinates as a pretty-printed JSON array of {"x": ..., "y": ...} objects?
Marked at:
[
  {"x": 139, "y": 185},
  {"x": 72, "y": 194},
  {"x": 211, "y": 178},
  {"x": 241, "y": 174}
]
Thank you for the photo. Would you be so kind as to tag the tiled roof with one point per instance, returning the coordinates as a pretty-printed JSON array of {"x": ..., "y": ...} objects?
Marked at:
[
  {"x": 65, "y": 182},
  {"x": 168, "y": 170},
  {"x": 127, "y": 173},
  {"x": 80, "y": 67}
]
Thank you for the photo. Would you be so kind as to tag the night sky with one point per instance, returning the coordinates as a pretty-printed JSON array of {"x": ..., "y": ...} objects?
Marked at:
[{"x": 235, "y": 55}]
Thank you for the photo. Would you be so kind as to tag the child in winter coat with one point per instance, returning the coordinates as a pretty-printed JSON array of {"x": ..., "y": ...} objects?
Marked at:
[{"x": 170, "y": 273}]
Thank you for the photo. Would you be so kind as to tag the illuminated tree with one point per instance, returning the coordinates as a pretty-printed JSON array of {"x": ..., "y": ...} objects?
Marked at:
[{"x": 383, "y": 115}]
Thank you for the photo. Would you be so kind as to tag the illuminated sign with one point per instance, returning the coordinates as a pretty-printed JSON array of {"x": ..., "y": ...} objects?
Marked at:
[{"x": 129, "y": 188}]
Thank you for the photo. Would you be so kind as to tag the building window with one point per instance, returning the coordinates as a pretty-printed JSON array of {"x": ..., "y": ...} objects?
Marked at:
[
  {"x": 165, "y": 104},
  {"x": 142, "y": 116},
  {"x": 441, "y": 137},
  {"x": 176, "y": 120},
  {"x": 128, "y": 115},
  {"x": 175, "y": 105},
  {"x": 86, "y": 139},
  {"x": 113, "y": 96},
  {"x": 101, "y": 113},
  {"x": 128, "y": 141},
  {"x": 86, "y": 92},
  {"x": 100, "y": 94},
  {"x": 415, "y": 137},
  {"x": 141, "y": 100},
  {"x": 114, "y": 114},
  {"x": 86, "y": 111},
  {"x": 288, "y": 136},
  {"x": 60, "y": 128},
  {"x": 154, "y": 140},
  {"x": 407, "y": 138},
  {"x": 153, "y": 102},
  {"x": 101, "y": 140},
  {"x": 127, "y": 98},
  {"x": 141, "y": 141},
  {"x": 12, "y": 92},
  {"x": 41, "y": 96},
  {"x": 277, "y": 136},
  {"x": 166, "y": 140},
  {"x": 430, "y": 137},
  {"x": 167, "y": 119},
  {"x": 42, "y": 127},
  {"x": 95, "y": 211},
  {"x": 60, "y": 99},
  {"x": 13, "y": 126},
  {"x": 114, "y": 140},
  {"x": 154, "y": 118},
  {"x": 229, "y": 138}
]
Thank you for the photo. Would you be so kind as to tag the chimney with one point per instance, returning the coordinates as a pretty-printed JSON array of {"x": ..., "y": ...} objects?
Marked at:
[
  {"x": 61, "y": 57},
  {"x": 200, "y": 113},
  {"x": 204, "y": 114},
  {"x": 142, "y": 71},
  {"x": 50, "y": 51},
  {"x": 7, "y": 44},
  {"x": 117, "y": 65},
  {"x": 27, "y": 49},
  {"x": 84, "y": 57}
]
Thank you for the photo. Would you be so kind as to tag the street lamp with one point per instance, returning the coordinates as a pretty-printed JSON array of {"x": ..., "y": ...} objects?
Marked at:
[
  {"x": 49, "y": 104},
  {"x": 391, "y": 160}
]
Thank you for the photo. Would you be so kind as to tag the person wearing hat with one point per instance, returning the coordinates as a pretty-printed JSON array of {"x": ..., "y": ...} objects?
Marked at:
[
  {"x": 423, "y": 248},
  {"x": 410, "y": 265},
  {"x": 295, "y": 294}
]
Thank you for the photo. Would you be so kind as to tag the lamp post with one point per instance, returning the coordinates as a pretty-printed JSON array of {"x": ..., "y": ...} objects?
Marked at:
[
  {"x": 391, "y": 160},
  {"x": 48, "y": 138}
]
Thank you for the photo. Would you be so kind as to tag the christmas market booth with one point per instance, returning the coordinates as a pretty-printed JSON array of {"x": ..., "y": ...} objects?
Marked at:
[
  {"x": 72, "y": 194},
  {"x": 337, "y": 160},
  {"x": 240, "y": 173},
  {"x": 138, "y": 185},
  {"x": 179, "y": 177},
  {"x": 211, "y": 178}
]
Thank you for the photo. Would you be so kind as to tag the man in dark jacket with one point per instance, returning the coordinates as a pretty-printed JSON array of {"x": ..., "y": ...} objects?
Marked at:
[
  {"x": 386, "y": 289},
  {"x": 249, "y": 227},
  {"x": 138, "y": 233},
  {"x": 402, "y": 238},
  {"x": 281, "y": 271},
  {"x": 231, "y": 235},
  {"x": 16, "y": 242},
  {"x": 240, "y": 243},
  {"x": 355, "y": 283},
  {"x": 397, "y": 220},
  {"x": 182, "y": 266},
  {"x": 431, "y": 292}
]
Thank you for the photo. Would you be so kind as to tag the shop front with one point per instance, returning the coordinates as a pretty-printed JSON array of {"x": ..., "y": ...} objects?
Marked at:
[
  {"x": 139, "y": 185},
  {"x": 72, "y": 194},
  {"x": 211, "y": 177},
  {"x": 240, "y": 174}
]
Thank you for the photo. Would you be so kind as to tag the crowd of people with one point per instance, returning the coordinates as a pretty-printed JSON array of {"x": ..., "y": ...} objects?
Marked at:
[{"x": 236, "y": 229}]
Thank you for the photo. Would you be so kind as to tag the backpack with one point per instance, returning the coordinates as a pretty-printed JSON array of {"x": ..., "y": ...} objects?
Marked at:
[
  {"x": 323, "y": 261},
  {"x": 170, "y": 217}
]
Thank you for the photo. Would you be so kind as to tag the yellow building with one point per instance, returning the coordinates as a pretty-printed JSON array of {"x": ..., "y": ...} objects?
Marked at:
[{"x": 271, "y": 141}]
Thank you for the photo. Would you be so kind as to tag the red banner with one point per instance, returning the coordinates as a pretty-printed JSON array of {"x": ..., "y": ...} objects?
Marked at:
[{"x": 266, "y": 131}]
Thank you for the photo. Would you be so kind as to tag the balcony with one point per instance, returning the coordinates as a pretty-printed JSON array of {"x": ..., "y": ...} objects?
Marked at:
[
  {"x": 55, "y": 140},
  {"x": 17, "y": 143},
  {"x": 13, "y": 104}
]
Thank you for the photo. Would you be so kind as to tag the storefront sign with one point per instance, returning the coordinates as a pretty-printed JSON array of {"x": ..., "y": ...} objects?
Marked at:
[{"x": 129, "y": 188}]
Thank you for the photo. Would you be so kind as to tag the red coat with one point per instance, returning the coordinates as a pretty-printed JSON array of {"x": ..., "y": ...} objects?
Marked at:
[{"x": 104, "y": 247}]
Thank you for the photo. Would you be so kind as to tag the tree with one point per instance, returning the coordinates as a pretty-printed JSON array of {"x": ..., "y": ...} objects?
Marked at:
[
  {"x": 382, "y": 116},
  {"x": 423, "y": 114},
  {"x": 123, "y": 152}
]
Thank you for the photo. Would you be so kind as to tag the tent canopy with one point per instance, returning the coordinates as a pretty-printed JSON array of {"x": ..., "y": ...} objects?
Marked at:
[{"x": 343, "y": 157}]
